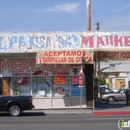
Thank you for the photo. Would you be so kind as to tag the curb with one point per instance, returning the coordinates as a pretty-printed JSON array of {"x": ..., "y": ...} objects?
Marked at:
[
  {"x": 67, "y": 112},
  {"x": 103, "y": 113},
  {"x": 61, "y": 111}
]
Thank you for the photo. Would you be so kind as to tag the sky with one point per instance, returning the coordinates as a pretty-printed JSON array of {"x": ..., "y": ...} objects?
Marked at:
[{"x": 63, "y": 15}]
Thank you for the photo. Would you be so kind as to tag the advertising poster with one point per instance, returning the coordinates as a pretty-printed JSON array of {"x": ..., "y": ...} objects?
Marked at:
[
  {"x": 75, "y": 80},
  {"x": 75, "y": 90},
  {"x": 120, "y": 83}
]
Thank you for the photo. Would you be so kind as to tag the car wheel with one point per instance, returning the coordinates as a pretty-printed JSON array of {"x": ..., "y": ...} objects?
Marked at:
[
  {"x": 110, "y": 99},
  {"x": 14, "y": 110}
]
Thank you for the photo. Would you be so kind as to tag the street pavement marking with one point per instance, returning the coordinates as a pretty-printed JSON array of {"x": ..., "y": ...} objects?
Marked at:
[{"x": 35, "y": 125}]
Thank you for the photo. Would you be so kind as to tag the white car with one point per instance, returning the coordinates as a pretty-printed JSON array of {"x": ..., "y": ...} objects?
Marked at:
[{"x": 105, "y": 86}]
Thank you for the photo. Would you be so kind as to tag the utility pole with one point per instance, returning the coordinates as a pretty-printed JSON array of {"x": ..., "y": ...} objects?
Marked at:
[
  {"x": 88, "y": 15},
  {"x": 97, "y": 28},
  {"x": 97, "y": 60},
  {"x": 89, "y": 29},
  {"x": 89, "y": 67}
]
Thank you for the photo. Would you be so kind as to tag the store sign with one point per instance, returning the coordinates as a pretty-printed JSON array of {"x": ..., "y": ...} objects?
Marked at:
[
  {"x": 59, "y": 80},
  {"x": 59, "y": 89},
  {"x": 75, "y": 79},
  {"x": 20, "y": 74},
  {"x": 63, "y": 56},
  {"x": 31, "y": 42},
  {"x": 27, "y": 67},
  {"x": 114, "y": 55},
  {"x": 60, "y": 73}
]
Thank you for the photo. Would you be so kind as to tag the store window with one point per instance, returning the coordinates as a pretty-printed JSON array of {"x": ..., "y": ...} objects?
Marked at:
[
  {"x": 61, "y": 86},
  {"x": 21, "y": 85},
  {"x": 41, "y": 86},
  {"x": 106, "y": 75}
]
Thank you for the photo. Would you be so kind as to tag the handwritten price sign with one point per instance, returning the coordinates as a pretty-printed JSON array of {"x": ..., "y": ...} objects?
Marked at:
[
  {"x": 59, "y": 80},
  {"x": 75, "y": 79}
]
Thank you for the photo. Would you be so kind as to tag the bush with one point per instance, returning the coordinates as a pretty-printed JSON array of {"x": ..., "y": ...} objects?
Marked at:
[{"x": 101, "y": 81}]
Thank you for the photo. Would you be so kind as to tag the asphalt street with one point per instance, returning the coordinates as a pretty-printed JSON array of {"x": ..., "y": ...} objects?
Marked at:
[
  {"x": 72, "y": 119},
  {"x": 40, "y": 121}
]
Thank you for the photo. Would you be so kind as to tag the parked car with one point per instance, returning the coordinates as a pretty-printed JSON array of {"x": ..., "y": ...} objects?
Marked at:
[
  {"x": 15, "y": 104},
  {"x": 104, "y": 90},
  {"x": 114, "y": 90},
  {"x": 119, "y": 95},
  {"x": 103, "y": 86}
]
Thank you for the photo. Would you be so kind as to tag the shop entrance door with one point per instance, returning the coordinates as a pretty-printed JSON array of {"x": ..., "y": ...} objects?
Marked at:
[
  {"x": 0, "y": 86},
  {"x": 4, "y": 86},
  {"x": 88, "y": 71}
]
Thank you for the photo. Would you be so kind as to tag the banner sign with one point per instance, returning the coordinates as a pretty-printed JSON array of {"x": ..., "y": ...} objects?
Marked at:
[
  {"x": 31, "y": 42},
  {"x": 114, "y": 55},
  {"x": 64, "y": 56}
]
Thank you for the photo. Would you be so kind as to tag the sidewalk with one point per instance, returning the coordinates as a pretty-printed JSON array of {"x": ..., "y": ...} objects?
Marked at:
[
  {"x": 65, "y": 111},
  {"x": 96, "y": 112}
]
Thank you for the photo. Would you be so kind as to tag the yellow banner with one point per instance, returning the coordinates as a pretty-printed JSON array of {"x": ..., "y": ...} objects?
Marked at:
[{"x": 64, "y": 57}]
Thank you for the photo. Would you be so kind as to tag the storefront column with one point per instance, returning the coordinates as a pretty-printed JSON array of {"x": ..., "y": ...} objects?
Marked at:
[{"x": 88, "y": 71}]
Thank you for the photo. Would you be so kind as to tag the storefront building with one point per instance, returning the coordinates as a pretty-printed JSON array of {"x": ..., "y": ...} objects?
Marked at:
[
  {"x": 47, "y": 65},
  {"x": 56, "y": 86}
]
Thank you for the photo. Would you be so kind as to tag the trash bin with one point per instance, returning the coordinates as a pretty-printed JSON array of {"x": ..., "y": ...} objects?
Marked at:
[{"x": 128, "y": 97}]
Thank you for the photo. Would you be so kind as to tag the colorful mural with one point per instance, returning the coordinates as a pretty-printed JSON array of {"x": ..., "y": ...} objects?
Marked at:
[{"x": 21, "y": 42}]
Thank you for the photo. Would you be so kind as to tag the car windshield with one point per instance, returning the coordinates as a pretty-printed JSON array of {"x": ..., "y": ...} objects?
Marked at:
[
  {"x": 108, "y": 90},
  {"x": 121, "y": 91}
]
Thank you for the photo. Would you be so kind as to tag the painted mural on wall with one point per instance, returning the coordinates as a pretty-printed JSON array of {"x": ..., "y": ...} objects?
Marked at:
[{"x": 11, "y": 42}]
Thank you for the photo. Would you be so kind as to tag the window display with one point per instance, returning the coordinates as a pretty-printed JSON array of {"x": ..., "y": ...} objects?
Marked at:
[
  {"x": 5, "y": 83},
  {"x": 21, "y": 85},
  {"x": 41, "y": 86},
  {"x": 53, "y": 81},
  {"x": 60, "y": 86}
]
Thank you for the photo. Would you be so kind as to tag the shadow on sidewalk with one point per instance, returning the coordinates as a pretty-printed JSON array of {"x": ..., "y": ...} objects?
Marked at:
[
  {"x": 5, "y": 114},
  {"x": 115, "y": 105}
]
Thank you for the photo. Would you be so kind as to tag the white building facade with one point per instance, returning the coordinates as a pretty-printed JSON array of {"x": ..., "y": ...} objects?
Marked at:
[{"x": 46, "y": 65}]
